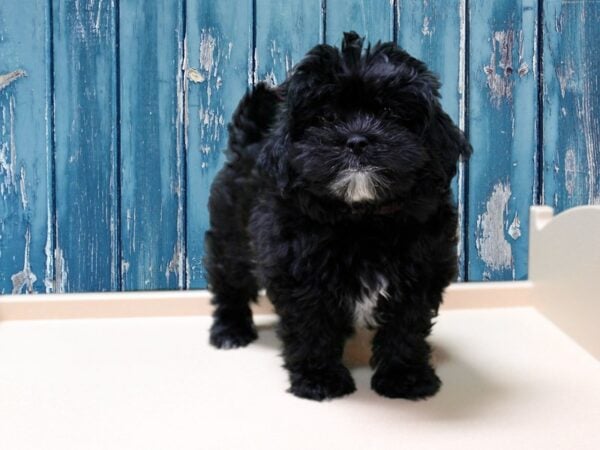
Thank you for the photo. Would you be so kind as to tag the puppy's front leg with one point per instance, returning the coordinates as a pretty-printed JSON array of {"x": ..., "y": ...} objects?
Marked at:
[
  {"x": 313, "y": 342},
  {"x": 401, "y": 354}
]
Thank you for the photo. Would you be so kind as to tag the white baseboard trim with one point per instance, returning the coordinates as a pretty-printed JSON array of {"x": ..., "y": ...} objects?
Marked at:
[{"x": 194, "y": 303}]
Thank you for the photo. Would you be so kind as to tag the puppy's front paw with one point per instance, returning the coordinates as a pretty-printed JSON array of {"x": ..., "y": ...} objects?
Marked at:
[
  {"x": 323, "y": 384},
  {"x": 226, "y": 335},
  {"x": 402, "y": 382}
]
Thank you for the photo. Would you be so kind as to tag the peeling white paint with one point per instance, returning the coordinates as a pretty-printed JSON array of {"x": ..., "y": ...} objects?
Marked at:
[
  {"x": 98, "y": 15},
  {"x": 182, "y": 105},
  {"x": 115, "y": 243},
  {"x": 188, "y": 272},
  {"x": 523, "y": 69},
  {"x": 591, "y": 133},
  {"x": 500, "y": 83},
  {"x": 274, "y": 51},
  {"x": 8, "y": 153},
  {"x": 195, "y": 76},
  {"x": 130, "y": 224},
  {"x": 24, "y": 201},
  {"x": 24, "y": 279},
  {"x": 128, "y": 219},
  {"x": 514, "y": 230},
  {"x": 252, "y": 61},
  {"x": 211, "y": 124},
  {"x": 492, "y": 246},
  {"x": 565, "y": 75},
  {"x": 425, "y": 29},
  {"x": 8, "y": 78},
  {"x": 208, "y": 94},
  {"x": 60, "y": 283},
  {"x": 88, "y": 16},
  {"x": 48, "y": 279},
  {"x": 570, "y": 171},
  {"x": 207, "y": 50},
  {"x": 176, "y": 264}
]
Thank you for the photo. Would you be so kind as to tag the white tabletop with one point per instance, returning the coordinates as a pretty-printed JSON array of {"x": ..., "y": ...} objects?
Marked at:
[{"x": 511, "y": 381}]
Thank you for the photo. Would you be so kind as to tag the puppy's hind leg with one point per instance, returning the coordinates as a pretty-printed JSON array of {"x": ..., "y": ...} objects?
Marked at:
[
  {"x": 231, "y": 280},
  {"x": 229, "y": 261}
]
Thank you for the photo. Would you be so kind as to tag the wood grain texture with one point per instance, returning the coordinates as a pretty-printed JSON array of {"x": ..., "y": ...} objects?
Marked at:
[
  {"x": 571, "y": 103},
  {"x": 218, "y": 72},
  {"x": 285, "y": 31},
  {"x": 113, "y": 121},
  {"x": 87, "y": 181},
  {"x": 151, "y": 56},
  {"x": 502, "y": 123},
  {"x": 372, "y": 19},
  {"x": 434, "y": 31},
  {"x": 26, "y": 232}
]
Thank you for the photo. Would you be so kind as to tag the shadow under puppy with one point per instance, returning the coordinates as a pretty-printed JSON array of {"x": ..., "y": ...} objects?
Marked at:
[{"x": 336, "y": 198}]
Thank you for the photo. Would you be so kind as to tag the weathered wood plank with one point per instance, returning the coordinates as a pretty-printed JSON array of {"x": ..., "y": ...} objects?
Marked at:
[
  {"x": 431, "y": 30},
  {"x": 87, "y": 252},
  {"x": 434, "y": 31},
  {"x": 219, "y": 70},
  {"x": 285, "y": 31},
  {"x": 571, "y": 103},
  {"x": 151, "y": 55},
  {"x": 502, "y": 113},
  {"x": 373, "y": 20},
  {"x": 26, "y": 232}
]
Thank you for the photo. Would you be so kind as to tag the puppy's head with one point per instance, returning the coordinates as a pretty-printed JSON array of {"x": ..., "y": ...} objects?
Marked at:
[{"x": 362, "y": 126}]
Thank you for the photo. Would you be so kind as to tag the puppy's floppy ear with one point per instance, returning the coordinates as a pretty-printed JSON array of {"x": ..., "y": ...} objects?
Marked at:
[{"x": 447, "y": 141}]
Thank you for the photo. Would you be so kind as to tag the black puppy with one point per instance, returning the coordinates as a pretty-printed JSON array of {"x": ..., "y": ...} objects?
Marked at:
[{"x": 336, "y": 198}]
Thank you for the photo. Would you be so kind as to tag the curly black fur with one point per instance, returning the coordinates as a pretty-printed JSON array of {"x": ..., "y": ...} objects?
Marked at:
[{"x": 336, "y": 198}]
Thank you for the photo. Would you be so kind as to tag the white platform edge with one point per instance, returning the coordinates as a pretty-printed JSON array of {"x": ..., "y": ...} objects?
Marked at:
[{"x": 192, "y": 303}]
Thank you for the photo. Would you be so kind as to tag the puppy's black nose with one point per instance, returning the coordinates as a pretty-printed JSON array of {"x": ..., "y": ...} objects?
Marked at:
[{"x": 357, "y": 143}]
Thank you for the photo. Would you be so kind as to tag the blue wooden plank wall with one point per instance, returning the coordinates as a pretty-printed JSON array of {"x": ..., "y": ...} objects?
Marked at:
[
  {"x": 502, "y": 92},
  {"x": 151, "y": 144},
  {"x": 86, "y": 145},
  {"x": 113, "y": 118}
]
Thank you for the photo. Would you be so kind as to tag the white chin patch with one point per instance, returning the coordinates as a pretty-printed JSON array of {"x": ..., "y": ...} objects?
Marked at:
[{"x": 355, "y": 185}]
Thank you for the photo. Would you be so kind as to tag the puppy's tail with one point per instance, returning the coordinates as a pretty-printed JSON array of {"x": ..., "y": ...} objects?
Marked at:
[{"x": 252, "y": 120}]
